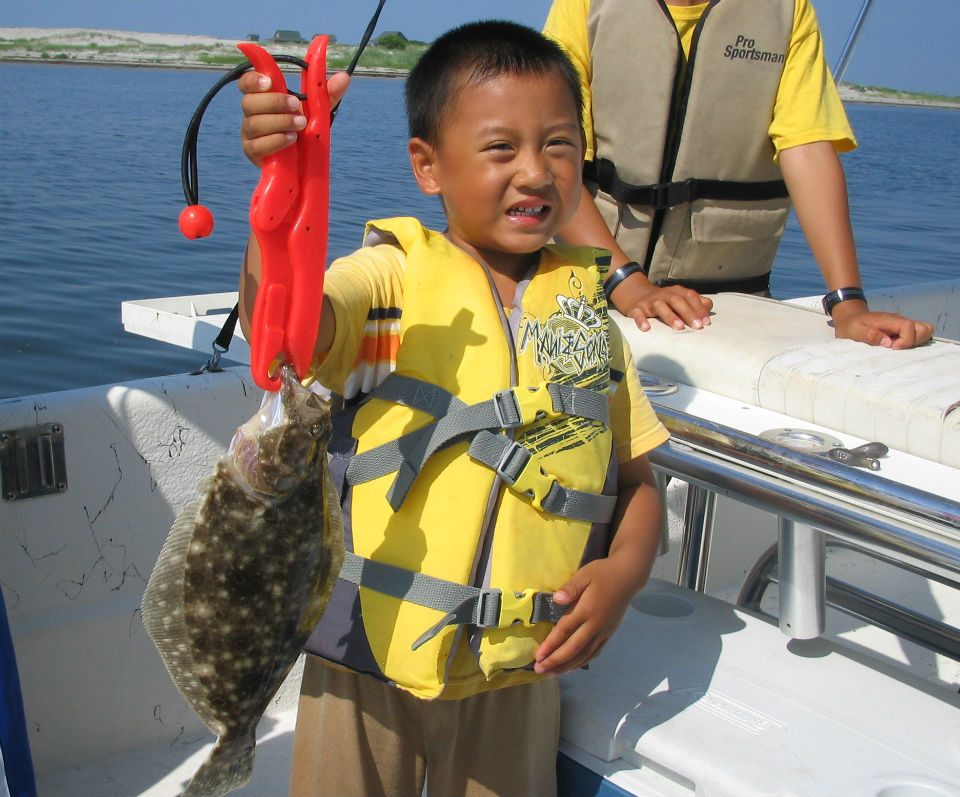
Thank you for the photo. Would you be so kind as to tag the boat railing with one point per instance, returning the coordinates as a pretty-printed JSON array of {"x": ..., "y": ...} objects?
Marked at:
[{"x": 819, "y": 504}]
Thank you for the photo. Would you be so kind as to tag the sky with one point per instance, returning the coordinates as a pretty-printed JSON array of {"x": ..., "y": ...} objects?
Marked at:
[{"x": 904, "y": 45}]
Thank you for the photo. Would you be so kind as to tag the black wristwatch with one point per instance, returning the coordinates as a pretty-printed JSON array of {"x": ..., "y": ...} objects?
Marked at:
[
  {"x": 834, "y": 298},
  {"x": 619, "y": 276}
]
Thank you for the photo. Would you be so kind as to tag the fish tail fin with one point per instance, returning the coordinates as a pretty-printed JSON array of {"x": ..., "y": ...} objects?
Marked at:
[{"x": 228, "y": 767}]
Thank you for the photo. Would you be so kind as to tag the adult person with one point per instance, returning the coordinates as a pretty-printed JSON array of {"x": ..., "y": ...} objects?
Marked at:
[{"x": 704, "y": 121}]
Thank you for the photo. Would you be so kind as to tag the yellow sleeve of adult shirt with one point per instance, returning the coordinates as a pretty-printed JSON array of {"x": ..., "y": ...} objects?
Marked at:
[
  {"x": 567, "y": 25},
  {"x": 808, "y": 106}
]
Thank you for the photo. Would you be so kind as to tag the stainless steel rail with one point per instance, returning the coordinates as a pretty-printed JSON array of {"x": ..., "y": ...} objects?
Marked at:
[
  {"x": 812, "y": 496},
  {"x": 874, "y": 609},
  {"x": 851, "y": 42}
]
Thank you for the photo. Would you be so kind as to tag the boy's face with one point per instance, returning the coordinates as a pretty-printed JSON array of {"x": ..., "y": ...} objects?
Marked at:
[{"x": 507, "y": 166}]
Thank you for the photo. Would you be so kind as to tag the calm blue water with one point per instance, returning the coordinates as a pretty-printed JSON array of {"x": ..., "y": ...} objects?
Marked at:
[{"x": 90, "y": 194}]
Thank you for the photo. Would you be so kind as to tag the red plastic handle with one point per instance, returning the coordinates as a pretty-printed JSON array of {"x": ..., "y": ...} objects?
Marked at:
[
  {"x": 289, "y": 217},
  {"x": 307, "y": 240}
]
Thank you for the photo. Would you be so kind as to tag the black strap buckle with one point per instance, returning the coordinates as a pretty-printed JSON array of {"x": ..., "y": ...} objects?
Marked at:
[
  {"x": 668, "y": 195},
  {"x": 659, "y": 196}
]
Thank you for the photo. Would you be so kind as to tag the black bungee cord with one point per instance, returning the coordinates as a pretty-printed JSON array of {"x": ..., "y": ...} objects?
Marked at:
[{"x": 188, "y": 155}]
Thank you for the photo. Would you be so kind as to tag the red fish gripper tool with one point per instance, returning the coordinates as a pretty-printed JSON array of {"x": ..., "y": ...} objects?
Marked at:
[{"x": 289, "y": 217}]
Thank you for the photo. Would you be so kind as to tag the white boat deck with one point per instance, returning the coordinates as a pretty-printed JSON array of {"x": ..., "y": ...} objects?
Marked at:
[
  {"x": 723, "y": 704},
  {"x": 164, "y": 770}
]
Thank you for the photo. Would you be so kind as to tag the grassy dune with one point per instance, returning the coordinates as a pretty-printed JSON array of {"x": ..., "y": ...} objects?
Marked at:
[{"x": 81, "y": 46}]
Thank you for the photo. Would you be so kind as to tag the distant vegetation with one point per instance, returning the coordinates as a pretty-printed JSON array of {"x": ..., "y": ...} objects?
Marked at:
[
  {"x": 391, "y": 52},
  {"x": 895, "y": 94},
  {"x": 392, "y": 41}
]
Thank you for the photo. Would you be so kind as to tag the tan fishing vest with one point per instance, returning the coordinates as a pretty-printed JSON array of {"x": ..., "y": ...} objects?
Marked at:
[{"x": 686, "y": 176}]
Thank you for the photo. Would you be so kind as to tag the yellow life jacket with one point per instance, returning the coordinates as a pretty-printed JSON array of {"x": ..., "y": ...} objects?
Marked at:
[
  {"x": 684, "y": 168},
  {"x": 480, "y": 475}
]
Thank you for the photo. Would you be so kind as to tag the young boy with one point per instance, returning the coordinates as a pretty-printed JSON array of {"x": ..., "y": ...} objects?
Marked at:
[{"x": 500, "y": 510}]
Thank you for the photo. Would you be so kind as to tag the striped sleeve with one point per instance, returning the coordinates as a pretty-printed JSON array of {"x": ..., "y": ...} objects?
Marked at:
[{"x": 365, "y": 292}]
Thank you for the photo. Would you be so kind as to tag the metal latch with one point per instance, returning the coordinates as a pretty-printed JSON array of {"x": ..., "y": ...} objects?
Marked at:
[
  {"x": 33, "y": 462},
  {"x": 654, "y": 385}
]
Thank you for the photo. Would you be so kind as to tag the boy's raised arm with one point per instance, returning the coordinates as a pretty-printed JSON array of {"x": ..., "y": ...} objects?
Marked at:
[{"x": 250, "y": 281}]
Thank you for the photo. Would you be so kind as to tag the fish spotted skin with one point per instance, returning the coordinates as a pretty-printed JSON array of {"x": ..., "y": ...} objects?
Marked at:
[{"x": 243, "y": 578}]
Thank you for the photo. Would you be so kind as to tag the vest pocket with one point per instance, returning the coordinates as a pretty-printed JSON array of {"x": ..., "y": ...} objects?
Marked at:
[
  {"x": 716, "y": 242},
  {"x": 718, "y": 224}
]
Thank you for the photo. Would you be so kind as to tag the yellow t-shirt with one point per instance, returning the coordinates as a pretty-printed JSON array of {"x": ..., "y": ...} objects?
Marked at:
[
  {"x": 365, "y": 290},
  {"x": 807, "y": 108}
]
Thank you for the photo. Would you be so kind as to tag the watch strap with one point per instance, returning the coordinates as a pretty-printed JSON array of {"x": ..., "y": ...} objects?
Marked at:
[
  {"x": 619, "y": 276},
  {"x": 834, "y": 298}
]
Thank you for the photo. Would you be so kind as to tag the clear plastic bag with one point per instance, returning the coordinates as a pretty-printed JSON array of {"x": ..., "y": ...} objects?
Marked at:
[{"x": 273, "y": 451}]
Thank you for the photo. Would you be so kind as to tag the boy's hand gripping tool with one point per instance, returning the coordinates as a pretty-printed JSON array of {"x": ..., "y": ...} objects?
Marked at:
[{"x": 289, "y": 217}]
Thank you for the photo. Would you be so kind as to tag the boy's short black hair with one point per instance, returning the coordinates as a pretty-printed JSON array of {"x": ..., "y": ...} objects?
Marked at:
[{"x": 478, "y": 51}]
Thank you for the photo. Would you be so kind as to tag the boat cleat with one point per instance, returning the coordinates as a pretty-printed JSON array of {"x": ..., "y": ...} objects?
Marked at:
[{"x": 808, "y": 441}]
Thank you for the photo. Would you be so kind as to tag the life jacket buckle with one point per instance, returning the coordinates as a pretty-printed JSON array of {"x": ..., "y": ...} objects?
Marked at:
[
  {"x": 669, "y": 195},
  {"x": 516, "y": 607},
  {"x": 518, "y": 406},
  {"x": 530, "y": 481},
  {"x": 658, "y": 196},
  {"x": 487, "y": 611}
]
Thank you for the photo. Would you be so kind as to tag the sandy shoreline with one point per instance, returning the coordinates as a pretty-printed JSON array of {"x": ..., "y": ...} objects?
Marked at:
[
  {"x": 849, "y": 93},
  {"x": 94, "y": 47}
]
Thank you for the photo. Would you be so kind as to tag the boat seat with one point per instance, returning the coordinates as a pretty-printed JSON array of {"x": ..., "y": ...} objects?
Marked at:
[
  {"x": 693, "y": 696},
  {"x": 785, "y": 358}
]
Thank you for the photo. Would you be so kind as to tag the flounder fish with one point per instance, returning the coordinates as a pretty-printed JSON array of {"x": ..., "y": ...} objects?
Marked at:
[{"x": 245, "y": 574}]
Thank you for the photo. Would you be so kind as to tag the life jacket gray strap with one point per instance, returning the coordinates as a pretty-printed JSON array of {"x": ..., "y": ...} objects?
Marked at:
[
  {"x": 507, "y": 409},
  {"x": 462, "y": 604},
  {"x": 410, "y": 392},
  {"x": 416, "y": 393},
  {"x": 519, "y": 468}
]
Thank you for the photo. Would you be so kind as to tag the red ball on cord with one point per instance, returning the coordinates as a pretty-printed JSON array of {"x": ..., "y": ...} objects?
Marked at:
[{"x": 196, "y": 221}]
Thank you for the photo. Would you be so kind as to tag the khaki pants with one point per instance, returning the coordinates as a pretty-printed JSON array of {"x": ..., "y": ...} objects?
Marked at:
[{"x": 359, "y": 736}]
